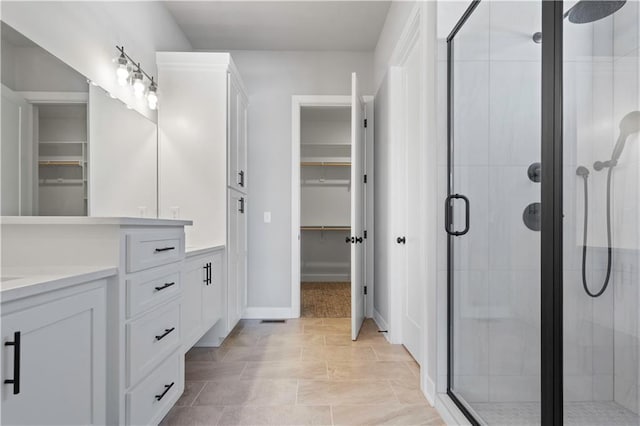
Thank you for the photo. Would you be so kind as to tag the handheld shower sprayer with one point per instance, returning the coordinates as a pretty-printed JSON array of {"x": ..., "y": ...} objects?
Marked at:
[{"x": 629, "y": 125}]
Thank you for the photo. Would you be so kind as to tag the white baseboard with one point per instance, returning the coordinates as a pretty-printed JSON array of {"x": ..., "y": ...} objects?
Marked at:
[
  {"x": 325, "y": 278},
  {"x": 429, "y": 390},
  {"x": 267, "y": 313},
  {"x": 451, "y": 415},
  {"x": 381, "y": 323}
]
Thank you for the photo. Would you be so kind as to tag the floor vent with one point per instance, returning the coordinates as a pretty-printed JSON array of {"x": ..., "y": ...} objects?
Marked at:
[{"x": 273, "y": 321}]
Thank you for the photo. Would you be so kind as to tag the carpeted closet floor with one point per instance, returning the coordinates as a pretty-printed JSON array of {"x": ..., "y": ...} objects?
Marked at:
[{"x": 326, "y": 299}]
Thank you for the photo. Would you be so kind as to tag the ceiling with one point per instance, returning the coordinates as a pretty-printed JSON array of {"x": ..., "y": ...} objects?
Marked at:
[{"x": 281, "y": 25}]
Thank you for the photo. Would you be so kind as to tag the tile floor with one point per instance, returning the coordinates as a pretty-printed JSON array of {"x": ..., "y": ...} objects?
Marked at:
[{"x": 304, "y": 372}]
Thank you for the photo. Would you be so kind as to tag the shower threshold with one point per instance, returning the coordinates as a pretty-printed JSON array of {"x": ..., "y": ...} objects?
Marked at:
[{"x": 584, "y": 413}]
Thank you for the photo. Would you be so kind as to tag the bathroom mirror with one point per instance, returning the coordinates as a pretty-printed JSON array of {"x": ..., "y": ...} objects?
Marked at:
[{"x": 67, "y": 147}]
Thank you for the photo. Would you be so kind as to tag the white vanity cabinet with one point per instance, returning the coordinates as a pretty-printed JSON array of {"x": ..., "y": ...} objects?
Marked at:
[
  {"x": 203, "y": 158},
  {"x": 54, "y": 355},
  {"x": 237, "y": 257},
  {"x": 144, "y": 356},
  {"x": 237, "y": 159},
  {"x": 202, "y": 294}
]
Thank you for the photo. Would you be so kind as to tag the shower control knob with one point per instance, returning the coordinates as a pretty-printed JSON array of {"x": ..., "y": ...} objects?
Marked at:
[
  {"x": 535, "y": 172},
  {"x": 401, "y": 240}
]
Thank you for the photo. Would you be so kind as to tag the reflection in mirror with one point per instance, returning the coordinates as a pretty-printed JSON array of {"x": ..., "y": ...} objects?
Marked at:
[
  {"x": 44, "y": 131},
  {"x": 123, "y": 157},
  {"x": 69, "y": 148}
]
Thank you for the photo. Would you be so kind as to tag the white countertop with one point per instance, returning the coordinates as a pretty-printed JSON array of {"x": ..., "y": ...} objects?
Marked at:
[
  {"x": 196, "y": 250},
  {"x": 90, "y": 220},
  {"x": 17, "y": 283}
]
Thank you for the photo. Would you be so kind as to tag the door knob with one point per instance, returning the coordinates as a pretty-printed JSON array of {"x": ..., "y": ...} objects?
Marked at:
[{"x": 401, "y": 240}]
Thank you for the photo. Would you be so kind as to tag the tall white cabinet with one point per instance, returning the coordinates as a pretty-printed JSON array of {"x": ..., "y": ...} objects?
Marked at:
[{"x": 203, "y": 163}]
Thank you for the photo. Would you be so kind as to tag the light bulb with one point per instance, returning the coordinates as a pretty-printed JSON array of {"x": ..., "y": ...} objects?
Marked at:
[
  {"x": 138, "y": 84},
  {"x": 123, "y": 70},
  {"x": 152, "y": 96}
]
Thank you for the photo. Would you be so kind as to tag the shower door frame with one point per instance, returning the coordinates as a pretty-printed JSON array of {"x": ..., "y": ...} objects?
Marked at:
[{"x": 551, "y": 257}]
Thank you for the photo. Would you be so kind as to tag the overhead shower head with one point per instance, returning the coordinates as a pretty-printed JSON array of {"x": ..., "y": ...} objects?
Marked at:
[
  {"x": 587, "y": 11},
  {"x": 629, "y": 125}
]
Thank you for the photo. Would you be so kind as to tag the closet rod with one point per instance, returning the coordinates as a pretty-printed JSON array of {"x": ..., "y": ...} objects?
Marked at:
[
  {"x": 60, "y": 163},
  {"x": 325, "y": 163},
  {"x": 325, "y": 228}
]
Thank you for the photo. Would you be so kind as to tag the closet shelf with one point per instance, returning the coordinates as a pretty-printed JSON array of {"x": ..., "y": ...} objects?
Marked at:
[
  {"x": 60, "y": 163},
  {"x": 325, "y": 228},
  {"x": 63, "y": 142},
  {"x": 329, "y": 144},
  {"x": 61, "y": 181},
  {"x": 325, "y": 164}
]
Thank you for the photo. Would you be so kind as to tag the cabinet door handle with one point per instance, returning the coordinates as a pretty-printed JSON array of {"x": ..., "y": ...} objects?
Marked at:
[
  {"x": 166, "y": 389},
  {"x": 358, "y": 239},
  {"x": 241, "y": 209},
  {"x": 160, "y": 250},
  {"x": 166, "y": 285},
  {"x": 16, "y": 363},
  {"x": 209, "y": 273},
  {"x": 206, "y": 274},
  {"x": 401, "y": 240},
  {"x": 241, "y": 174},
  {"x": 165, "y": 334}
]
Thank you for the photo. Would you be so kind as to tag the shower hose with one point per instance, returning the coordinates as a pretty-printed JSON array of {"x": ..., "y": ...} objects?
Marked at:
[{"x": 584, "y": 245}]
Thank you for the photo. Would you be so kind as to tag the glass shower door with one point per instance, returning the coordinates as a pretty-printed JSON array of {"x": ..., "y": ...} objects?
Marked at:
[{"x": 493, "y": 213}]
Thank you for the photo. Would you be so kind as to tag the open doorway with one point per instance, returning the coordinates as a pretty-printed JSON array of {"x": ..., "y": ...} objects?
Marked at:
[
  {"x": 328, "y": 220},
  {"x": 325, "y": 211}
]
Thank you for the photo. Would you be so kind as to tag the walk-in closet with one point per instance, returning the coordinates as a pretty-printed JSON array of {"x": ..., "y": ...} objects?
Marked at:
[{"x": 325, "y": 211}]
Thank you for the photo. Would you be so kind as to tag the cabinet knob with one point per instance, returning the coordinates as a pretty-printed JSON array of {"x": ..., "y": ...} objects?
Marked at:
[{"x": 401, "y": 240}]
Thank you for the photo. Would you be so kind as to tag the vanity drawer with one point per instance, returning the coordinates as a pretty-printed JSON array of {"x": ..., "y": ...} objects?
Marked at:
[
  {"x": 150, "y": 401},
  {"x": 151, "y": 288},
  {"x": 154, "y": 248},
  {"x": 150, "y": 339}
]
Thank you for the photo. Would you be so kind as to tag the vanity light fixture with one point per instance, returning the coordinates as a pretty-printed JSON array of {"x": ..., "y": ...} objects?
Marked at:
[
  {"x": 130, "y": 71},
  {"x": 152, "y": 95},
  {"x": 138, "y": 83},
  {"x": 124, "y": 69}
]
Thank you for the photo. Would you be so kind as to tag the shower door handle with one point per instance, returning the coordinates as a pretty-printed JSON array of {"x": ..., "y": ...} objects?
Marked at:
[{"x": 448, "y": 216}]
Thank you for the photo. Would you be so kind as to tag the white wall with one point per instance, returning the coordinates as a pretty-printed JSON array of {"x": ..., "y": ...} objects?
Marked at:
[
  {"x": 394, "y": 24},
  {"x": 84, "y": 35},
  {"x": 271, "y": 79}
]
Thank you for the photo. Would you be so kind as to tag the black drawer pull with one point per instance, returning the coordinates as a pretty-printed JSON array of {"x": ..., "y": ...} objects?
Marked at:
[
  {"x": 160, "y": 250},
  {"x": 16, "y": 363},
  {"x": 166, "y": 285},
  {"x": 166, "y": 389},
  {"x": 166, "y": 332},
  {"x": 241, "y": 182}
]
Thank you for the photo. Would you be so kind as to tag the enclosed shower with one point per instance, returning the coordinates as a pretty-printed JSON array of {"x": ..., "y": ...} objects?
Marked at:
[{"x": 512, "y": 99}]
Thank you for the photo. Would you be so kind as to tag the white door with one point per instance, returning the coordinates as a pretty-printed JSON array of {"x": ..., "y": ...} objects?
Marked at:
[
  {"x": 61, "y": 374},
  {"x": 411, "y": 248},
  {"x": 13, "y": 144},
  {"x": 357, "y": 208}
]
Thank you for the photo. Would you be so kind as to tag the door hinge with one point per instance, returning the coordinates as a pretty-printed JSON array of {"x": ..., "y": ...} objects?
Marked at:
[
  {"x": 365, "y": 289},
  {"x": 365, "y": 178},
  {"x": 365, "y": 122},
  {"x": 365, "y": 234}
]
